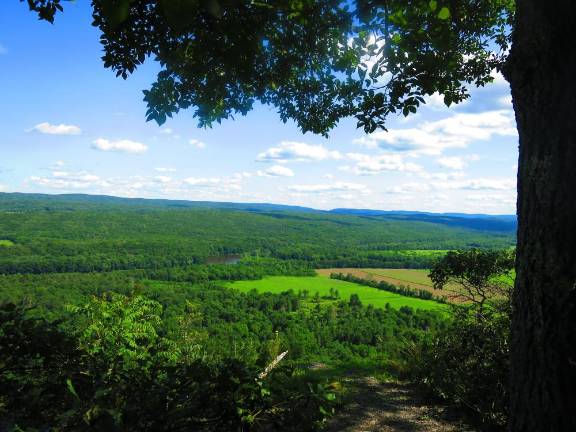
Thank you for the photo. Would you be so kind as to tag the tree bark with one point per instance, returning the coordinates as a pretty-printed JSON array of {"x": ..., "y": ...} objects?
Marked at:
[{"x": 541, "y": 70}]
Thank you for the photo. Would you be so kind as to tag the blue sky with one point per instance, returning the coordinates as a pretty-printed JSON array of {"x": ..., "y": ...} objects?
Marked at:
[{"x": 70, "y": 126}]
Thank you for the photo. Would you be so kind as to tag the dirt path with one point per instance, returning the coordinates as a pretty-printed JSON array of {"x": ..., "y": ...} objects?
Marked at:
[{"x": 391, "y": 407}]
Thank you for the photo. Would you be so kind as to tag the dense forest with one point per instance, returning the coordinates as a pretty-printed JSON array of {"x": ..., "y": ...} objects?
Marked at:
[
  {"x": 103, "y": 303},
  {"x": 79, "y": 235}
]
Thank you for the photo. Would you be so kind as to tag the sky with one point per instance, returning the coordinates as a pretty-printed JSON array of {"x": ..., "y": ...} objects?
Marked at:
[{"x": 68, "y": 125}]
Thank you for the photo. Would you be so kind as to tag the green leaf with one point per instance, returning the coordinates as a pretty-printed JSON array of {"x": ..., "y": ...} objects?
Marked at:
[
  {"x": 433, "y": 5},
  {"x": 444, "y": 13},
  {"x": 115, "y": 11},
  {"x": 330, "y": 396},
  {"x": 71, "y": 388}
]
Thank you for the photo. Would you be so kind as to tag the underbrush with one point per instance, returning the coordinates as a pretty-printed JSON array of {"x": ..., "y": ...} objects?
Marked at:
[
  {"x": 467, "y": 364},
  {"x": 116, "y": 372}
]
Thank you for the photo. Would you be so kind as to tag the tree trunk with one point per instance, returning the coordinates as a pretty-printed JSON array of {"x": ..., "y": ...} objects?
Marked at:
[{"x": 542, "y": 73}]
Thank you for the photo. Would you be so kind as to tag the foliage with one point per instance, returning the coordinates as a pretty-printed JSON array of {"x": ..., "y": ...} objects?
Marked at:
[
  {"x": 363, "y": 58},
  {"x": 385, "y": 286},
  {"x": 123, "y": 332},
  {"x": 309, "y": 286},
  {"x": 33, "y": 354},
  {"x": 132, "y": 385},
  {"x": 468, "y": 362},
  {"x": 104, "y": 237},
  {"x": 120, "y": 362},
  {"x": 131, "y": 329},
  {"x": 482, "y": 274}
]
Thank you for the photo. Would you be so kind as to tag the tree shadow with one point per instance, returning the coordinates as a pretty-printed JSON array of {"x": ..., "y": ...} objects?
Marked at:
[{"x": 391, "y": 406}]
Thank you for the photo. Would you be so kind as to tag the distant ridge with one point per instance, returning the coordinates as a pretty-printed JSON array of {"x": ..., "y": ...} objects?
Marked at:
[
  {"x": 25, "y": 201},
  {"x": 414, "y": 212},
  {"x": 505, "y": 223},
  {"x": 16, "y": 198}
]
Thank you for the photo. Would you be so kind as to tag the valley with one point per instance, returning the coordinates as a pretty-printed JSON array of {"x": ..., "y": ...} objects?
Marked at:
[{"x": 218, "y": 284}]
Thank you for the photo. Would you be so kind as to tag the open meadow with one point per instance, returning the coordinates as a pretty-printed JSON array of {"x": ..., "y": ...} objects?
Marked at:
[
  {"x": 411, "y": 278},
  {"x": 322, "y": 284}
]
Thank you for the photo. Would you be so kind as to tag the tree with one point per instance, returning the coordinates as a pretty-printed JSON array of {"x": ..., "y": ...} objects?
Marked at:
[
  {"x": 318, "y": 62},
  {"x": 354, "y": 301},
  {"x": 468, "y": 362},
  {"x": 481, "y": 275}
]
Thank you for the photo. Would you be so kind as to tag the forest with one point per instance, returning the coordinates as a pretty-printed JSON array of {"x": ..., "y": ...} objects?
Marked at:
[
  {"x": 103, "y": 306},
  {"x": 99, "y": 235}
]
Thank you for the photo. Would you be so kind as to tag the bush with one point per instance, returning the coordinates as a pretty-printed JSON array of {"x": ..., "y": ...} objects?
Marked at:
[
  {"x": 116, "y": 372},
  {"x": 468, "y": 363}
]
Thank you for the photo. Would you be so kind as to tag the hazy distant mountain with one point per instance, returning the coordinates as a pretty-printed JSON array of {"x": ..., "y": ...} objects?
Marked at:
[
  {"x": 22, "y": 201},
  {"x": 473, "y": 221},
  {"x": 45, "y": 202}
]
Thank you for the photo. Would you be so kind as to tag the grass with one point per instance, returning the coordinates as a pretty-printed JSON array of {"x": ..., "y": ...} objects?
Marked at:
[
  {"x": 412, "y": 278},
  {"x": 6, "y": 243},
  {"x": 416, "y": 276},
  {"x": 322, "y": 285}
]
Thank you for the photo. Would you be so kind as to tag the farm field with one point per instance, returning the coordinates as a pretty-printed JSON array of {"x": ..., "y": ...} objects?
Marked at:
[
  {"x": 412, "y": 278},
  {"x": 322, "y": 284}
]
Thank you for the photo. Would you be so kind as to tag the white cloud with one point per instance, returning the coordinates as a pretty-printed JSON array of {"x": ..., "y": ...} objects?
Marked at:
[
  {"x": 81, "y": 176},
  {"x": 498, "y": 78},
  {"x": 169, "y": 132},
  {"x": 372, "y": 165},
  {"x": 61, "y": 129},
  {"x": 503, "y": 202},
  {"x": 479, "y": 184},
  {"x": 297, "y": 151},
  {"x": 329, "y": 188},
  {"x": 215, "y": 185},
  {"x": 442, "y": 175},
  {"x": 64, "y": 180},
  {"x": 241, "y": 175},
  {"x": 124, "y": 146},
  {"x": 439, "y": 197},
  {"x": 3, "y": 188},
  {"x": 203, "y": 181},
  {"x": 454, "y": 162},
  {"x": 435, "y": 101},
  {"x": 408, "y": 188},
  {"x": 490, "y": 184},
  {"x": 58, "y": 164},
  {"x": 165, "y": 169},
  {"x": 505, "y": 101},
  {"x": 197, "y": 144},
  {"x": 456, "y": 131},
  {"x": 204, "y": 188},
  {"x": 276, "y": 171}
]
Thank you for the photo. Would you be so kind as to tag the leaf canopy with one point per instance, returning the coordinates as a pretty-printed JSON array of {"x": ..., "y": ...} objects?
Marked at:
[{"x": 316, "y": 62}]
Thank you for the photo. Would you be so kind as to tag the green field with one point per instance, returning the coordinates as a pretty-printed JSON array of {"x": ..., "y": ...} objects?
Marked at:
[
  {"x": 6, "y": 243},
  {"x": 322, "y": 285}
]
